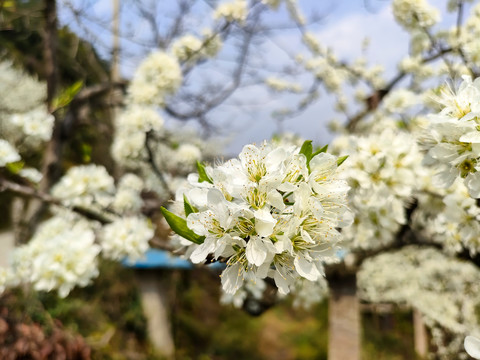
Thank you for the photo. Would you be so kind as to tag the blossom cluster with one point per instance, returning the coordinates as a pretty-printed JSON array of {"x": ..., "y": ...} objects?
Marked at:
[
  {"x": 91, "y": 187},
  {"x": 158, "y": 76},
  {"x": 236, "y": 10},
  {"x": 20, "y": 92},
  {"x": 449, "y": 217},
  {"x": 384, "y": 170},
  {"x": 35, "y": 126},
  {"x": 61, "y": 255},
  {"x": 452, "y": 139},
  {"x": 126, "y": 237},
  {"x": 416, "y": 276},
  {"x": 190, "y": 48},
  {"x": 8, "y": 154},
  {"x": 282, "y": 85},
  {"x": 273, "y": 212},
  {"x": 131, "y": 127},
  {"x": 63, "y": 252},
  {"x": 412, "y": 14}
]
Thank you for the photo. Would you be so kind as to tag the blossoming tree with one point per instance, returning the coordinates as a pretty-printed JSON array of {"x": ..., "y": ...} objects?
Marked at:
[{"x": 400, "y": 215}]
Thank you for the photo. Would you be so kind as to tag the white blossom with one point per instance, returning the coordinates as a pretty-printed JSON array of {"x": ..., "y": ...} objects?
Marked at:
[
  {"x": 60, "y": 256},
  {"x": 8, "y": 154},
  {"x": 158, "y": 76},
  {"x": 452, "y": 138},
  {"x": 126, "y": 237},
  {"x": 270, "y": 213},
  {"x": 85, "y": 185},
  {"x": 415, "y": 13},
  {"x": 236, "y": 10}
]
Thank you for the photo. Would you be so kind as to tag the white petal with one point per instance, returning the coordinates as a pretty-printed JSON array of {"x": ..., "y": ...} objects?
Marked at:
[
  {"x": 281, "y": 283},
  {"x": 471, "y": 137},
  {"x": 283, "y": 244},
  {"x": 324, "y": 163},
  {"x": 198, "y": 222},
  {"x": 445, "y": 178},
  {"x": 287, "y": 187},
  {"x": 316, "y": 207},
  {"x": 256, "y": 251},
  {"x": 202, "y": 251},
  {"x": 274, "y": 159},
  {"x": 275, "y": 199},
  {"x": 473, "y": 184},
  {"x": 472, "y": 346},
  {"x": 197, "y": 197},
  {"x": 264, "y": 222},
  {"x": 305, "y": 268},
  {"x": 215, "y": 197},
  {"x": 444, "y": 152},
  {"x": 232, "y": 278},
  {"x": 262, "y": 270}
]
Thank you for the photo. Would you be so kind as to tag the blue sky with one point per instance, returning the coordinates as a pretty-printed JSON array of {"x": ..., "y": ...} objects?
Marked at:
[{"x": 343, "y": 28}]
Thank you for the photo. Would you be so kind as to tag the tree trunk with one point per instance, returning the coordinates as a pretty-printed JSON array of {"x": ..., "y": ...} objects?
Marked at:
[{"x": 344, "y": 332}]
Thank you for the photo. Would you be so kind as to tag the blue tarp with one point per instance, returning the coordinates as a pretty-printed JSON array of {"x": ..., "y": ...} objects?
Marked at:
[{"x": 160, "y": 259}]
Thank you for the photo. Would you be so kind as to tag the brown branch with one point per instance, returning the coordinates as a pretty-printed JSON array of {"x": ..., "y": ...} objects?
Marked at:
[
  {"x": 50, "y": 50},
  {"x": 375, "y": 99},
  {"x": 151, "y": 160},
  {"x": 28, "y": 191},
  {"x": 51, "y": 158},
  {"x": 96, "y": 90}
]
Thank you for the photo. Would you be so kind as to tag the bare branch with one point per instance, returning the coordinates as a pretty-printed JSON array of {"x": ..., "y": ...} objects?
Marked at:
[
  {"x": 28, "y": 191},
  {"x": 151, "y": 160}
]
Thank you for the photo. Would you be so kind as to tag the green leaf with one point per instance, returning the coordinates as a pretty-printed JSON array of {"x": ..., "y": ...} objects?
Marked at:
[
  {"x": 321, "y": 150},
  {"x": 341, "y": 159},
  {"x": 15, "y": 167},
  {"x": 179, "y": 226},
  {"x": 67, "y": 95},
  {"x": 86, "y": 152},
  {"x": 202, "y": 173},
  {"x": 307, "y": 150},
  {"x": 189, "y": 208}
]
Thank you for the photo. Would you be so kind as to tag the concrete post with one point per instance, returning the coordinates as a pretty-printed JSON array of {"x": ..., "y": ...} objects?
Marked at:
[
  {"x": 420, "y": 334},
  {"x": 154, "y": 289},
  {"x": 344, "y": 334},
  {"x": 7, "y": 244}
]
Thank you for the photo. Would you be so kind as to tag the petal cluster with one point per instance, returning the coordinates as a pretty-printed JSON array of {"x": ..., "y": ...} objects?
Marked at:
[
  {"x": 275, "y": 211},
  {"x": 452, "y": 139}
]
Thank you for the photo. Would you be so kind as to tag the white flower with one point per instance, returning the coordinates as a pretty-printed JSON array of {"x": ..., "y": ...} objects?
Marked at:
[
  {"x": 452, "y": 138},
  {"x": 60, "y": 256},
  {"x": 128, "y": 198},
  {"x": 236, "y": 10},
  {"x": 158, "y": 76},
  {"x": 139, "y": 118},
  {"x": 384, "y": 171},
  {"x": 31, "y": 174},
  {"x": 8, "y": 154},
  {"x": 126, "y": 238},
  {"x": 412, "y": 14},
  {"x": 83, "y": 185},
  {"x": 268, "y": 213},
  {"x": 188, "y": 153},
  {"x": 282, "y": 85}
]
